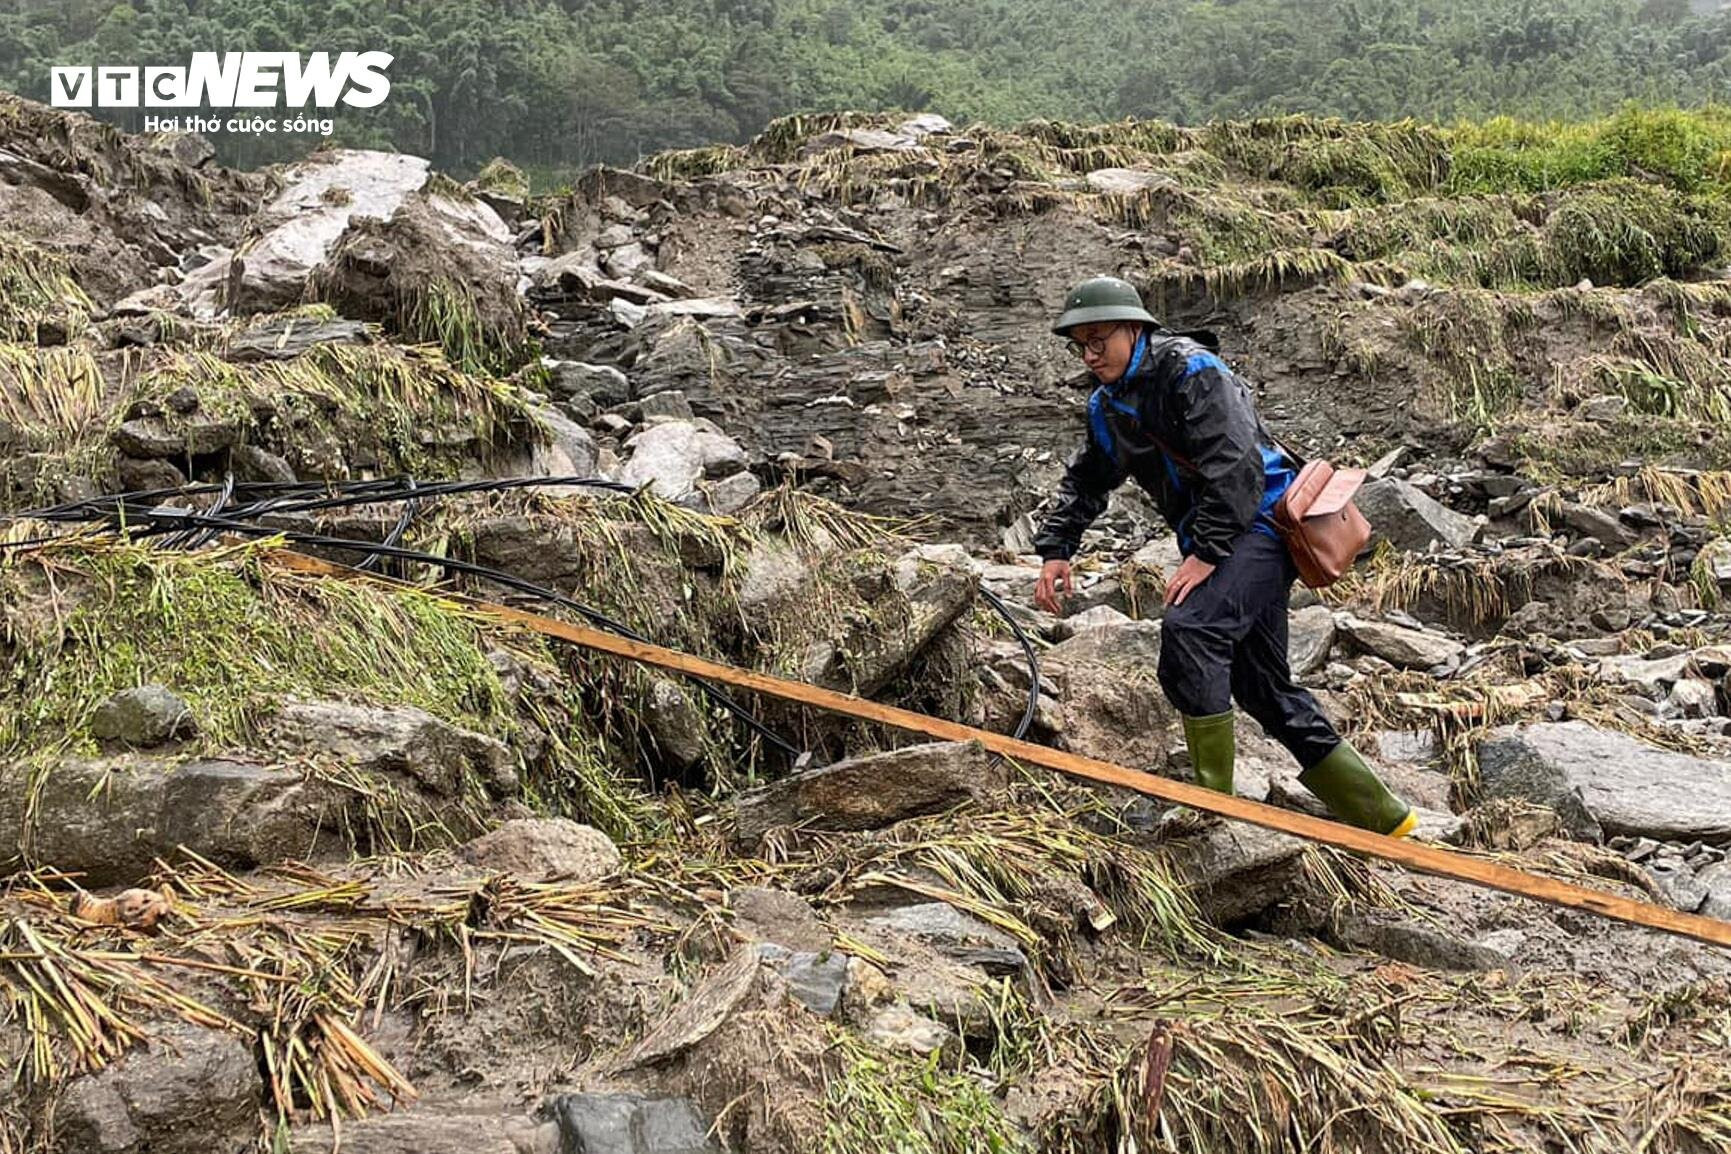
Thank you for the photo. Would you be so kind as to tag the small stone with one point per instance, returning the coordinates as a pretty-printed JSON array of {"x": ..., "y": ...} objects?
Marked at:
[
  {"x": 1639, "y": 849},
  {"x": 148, "y": 715},
  {"x": 815, "y": 980}
]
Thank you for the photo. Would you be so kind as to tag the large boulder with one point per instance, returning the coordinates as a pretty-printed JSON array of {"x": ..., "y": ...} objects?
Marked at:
[
  {"x": 398, "y": 739},
  {"x": 1408, "y": 518},
  {"x": 111, "y": 818},
  {"x": 1606, "y": 783},
  {"x": 674, "y": 457},
  {"x": 192, "y": 1091},
  {"x": 296, "y": 231},
  {"x": 1399, "y": 645},
  {"x": 438, "y": 268},
  {"x": 873, "y": 791},
  {"x": 927, "y": 589}
]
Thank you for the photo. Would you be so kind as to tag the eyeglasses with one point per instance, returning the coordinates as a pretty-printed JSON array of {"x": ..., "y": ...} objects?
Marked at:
[{"x": 1095, "y": 345}]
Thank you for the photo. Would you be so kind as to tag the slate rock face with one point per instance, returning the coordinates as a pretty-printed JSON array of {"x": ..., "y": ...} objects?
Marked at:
[
  {"x": 874, "y": 791},
  {"x": 1606, "y": 783},
  {"x": 1408, "y": 518}
]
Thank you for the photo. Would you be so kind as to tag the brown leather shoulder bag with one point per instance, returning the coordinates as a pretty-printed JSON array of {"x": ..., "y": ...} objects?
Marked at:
[{"x": 1322, "y": 528}]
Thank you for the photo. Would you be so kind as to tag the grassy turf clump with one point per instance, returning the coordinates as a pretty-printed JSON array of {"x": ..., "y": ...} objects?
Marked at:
[
  {"x": 36, "y": 286},
  {"x": 408, "y": 409}
]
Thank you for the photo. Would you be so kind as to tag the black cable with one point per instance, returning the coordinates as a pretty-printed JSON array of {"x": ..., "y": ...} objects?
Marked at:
[
  {"x": 1028, "y": 710},
  {"x": 316, "y": 497}
]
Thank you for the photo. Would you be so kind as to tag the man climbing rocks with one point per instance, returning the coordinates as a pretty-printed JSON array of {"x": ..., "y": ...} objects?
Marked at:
[{"x": 1169, "y": 413}]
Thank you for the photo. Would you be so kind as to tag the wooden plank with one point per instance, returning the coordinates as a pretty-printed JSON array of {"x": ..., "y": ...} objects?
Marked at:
[{"x": 1412, "y": 855}]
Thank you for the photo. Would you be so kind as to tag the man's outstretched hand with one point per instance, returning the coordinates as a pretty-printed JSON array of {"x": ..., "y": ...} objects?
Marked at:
[
  {"x": 1192, "y": 571},
  {"x": 1054, "y": 585}
]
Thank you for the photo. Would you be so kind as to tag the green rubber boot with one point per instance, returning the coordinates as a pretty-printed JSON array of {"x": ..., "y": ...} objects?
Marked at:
[
  {"x": 1355, "y": 795},
  {"x": 1212, "y": 750}
]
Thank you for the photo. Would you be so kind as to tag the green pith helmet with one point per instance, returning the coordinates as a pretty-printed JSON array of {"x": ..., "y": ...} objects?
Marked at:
[{"x": 1102, "y": 298}]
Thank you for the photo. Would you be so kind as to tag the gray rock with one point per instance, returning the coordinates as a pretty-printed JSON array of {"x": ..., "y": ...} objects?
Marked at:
[
  {"x": 1653, "y": 676},
  {"x": 1398, "y": 645},
  {"x": 680, "y": 730},
  {"x": 1098, "y": 617},
  {"x": 148, "y": 438},
  {"x": 288, "y": 338},
  {"x": 775, "y": 574},
  {"x": 815, "y": 979},
  {"x": 428, "y": 1130},
  {"x": 397, "y": 739},
  {"x": 148, "y": 715},
  {"x": 625, "y": 261},
  {"x": 1591, "y": 521},
  {"x": 1127, "y": 181},
  {"x": 958, "y": 936},
  {"x": 631, "y": 1124},
  {"x": 729, "y": 495},
  {"x": 1118, "y": 643},
  {"x": 1602, "y": 782},
  {"x": 873, "y": 791},
  {"x": 1310, "y": 636},
  {"x": 1407, "y": 518},
  {"x": 1717, "y": 879},
  {"x": 297, "y": 230},
  {"x": 898, "y": 1028},
  {"x": 1693, "y": 697},
  {"x": 602, "y": 383},
  {"x": 1681, "y": 887},
  {"x": 568, "y": 451},
  {"x": 110, "y": 818},
  {"x": 539, "y": 848},
  {"x": 669, "y": 403},
  {"x": 251, "y": 463},
  {"x": 673, "y": 456},
  {"x": 928, "y": 589},
  {"x": 191, "y": 1092}
]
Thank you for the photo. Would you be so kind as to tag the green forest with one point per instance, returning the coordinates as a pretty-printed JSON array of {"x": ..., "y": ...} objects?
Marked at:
[{"x": 557, "y": 85}]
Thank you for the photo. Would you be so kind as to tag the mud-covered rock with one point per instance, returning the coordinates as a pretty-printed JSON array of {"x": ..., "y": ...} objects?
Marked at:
[
  {"x": 437, "y": 263},
  {"x": 147, "y": 715},
  {"x": 1234, "y": 870},
  {"x": 297, "y": 230},
  {"x": 545, "y": 848},
  {"x": 397, "y": 739},
  {"x": 111, "y": 818},
  {"x": 927, "y": 589},
  {"x": 873, "y": 791},
  {"x": 190, "y": 1091}
]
